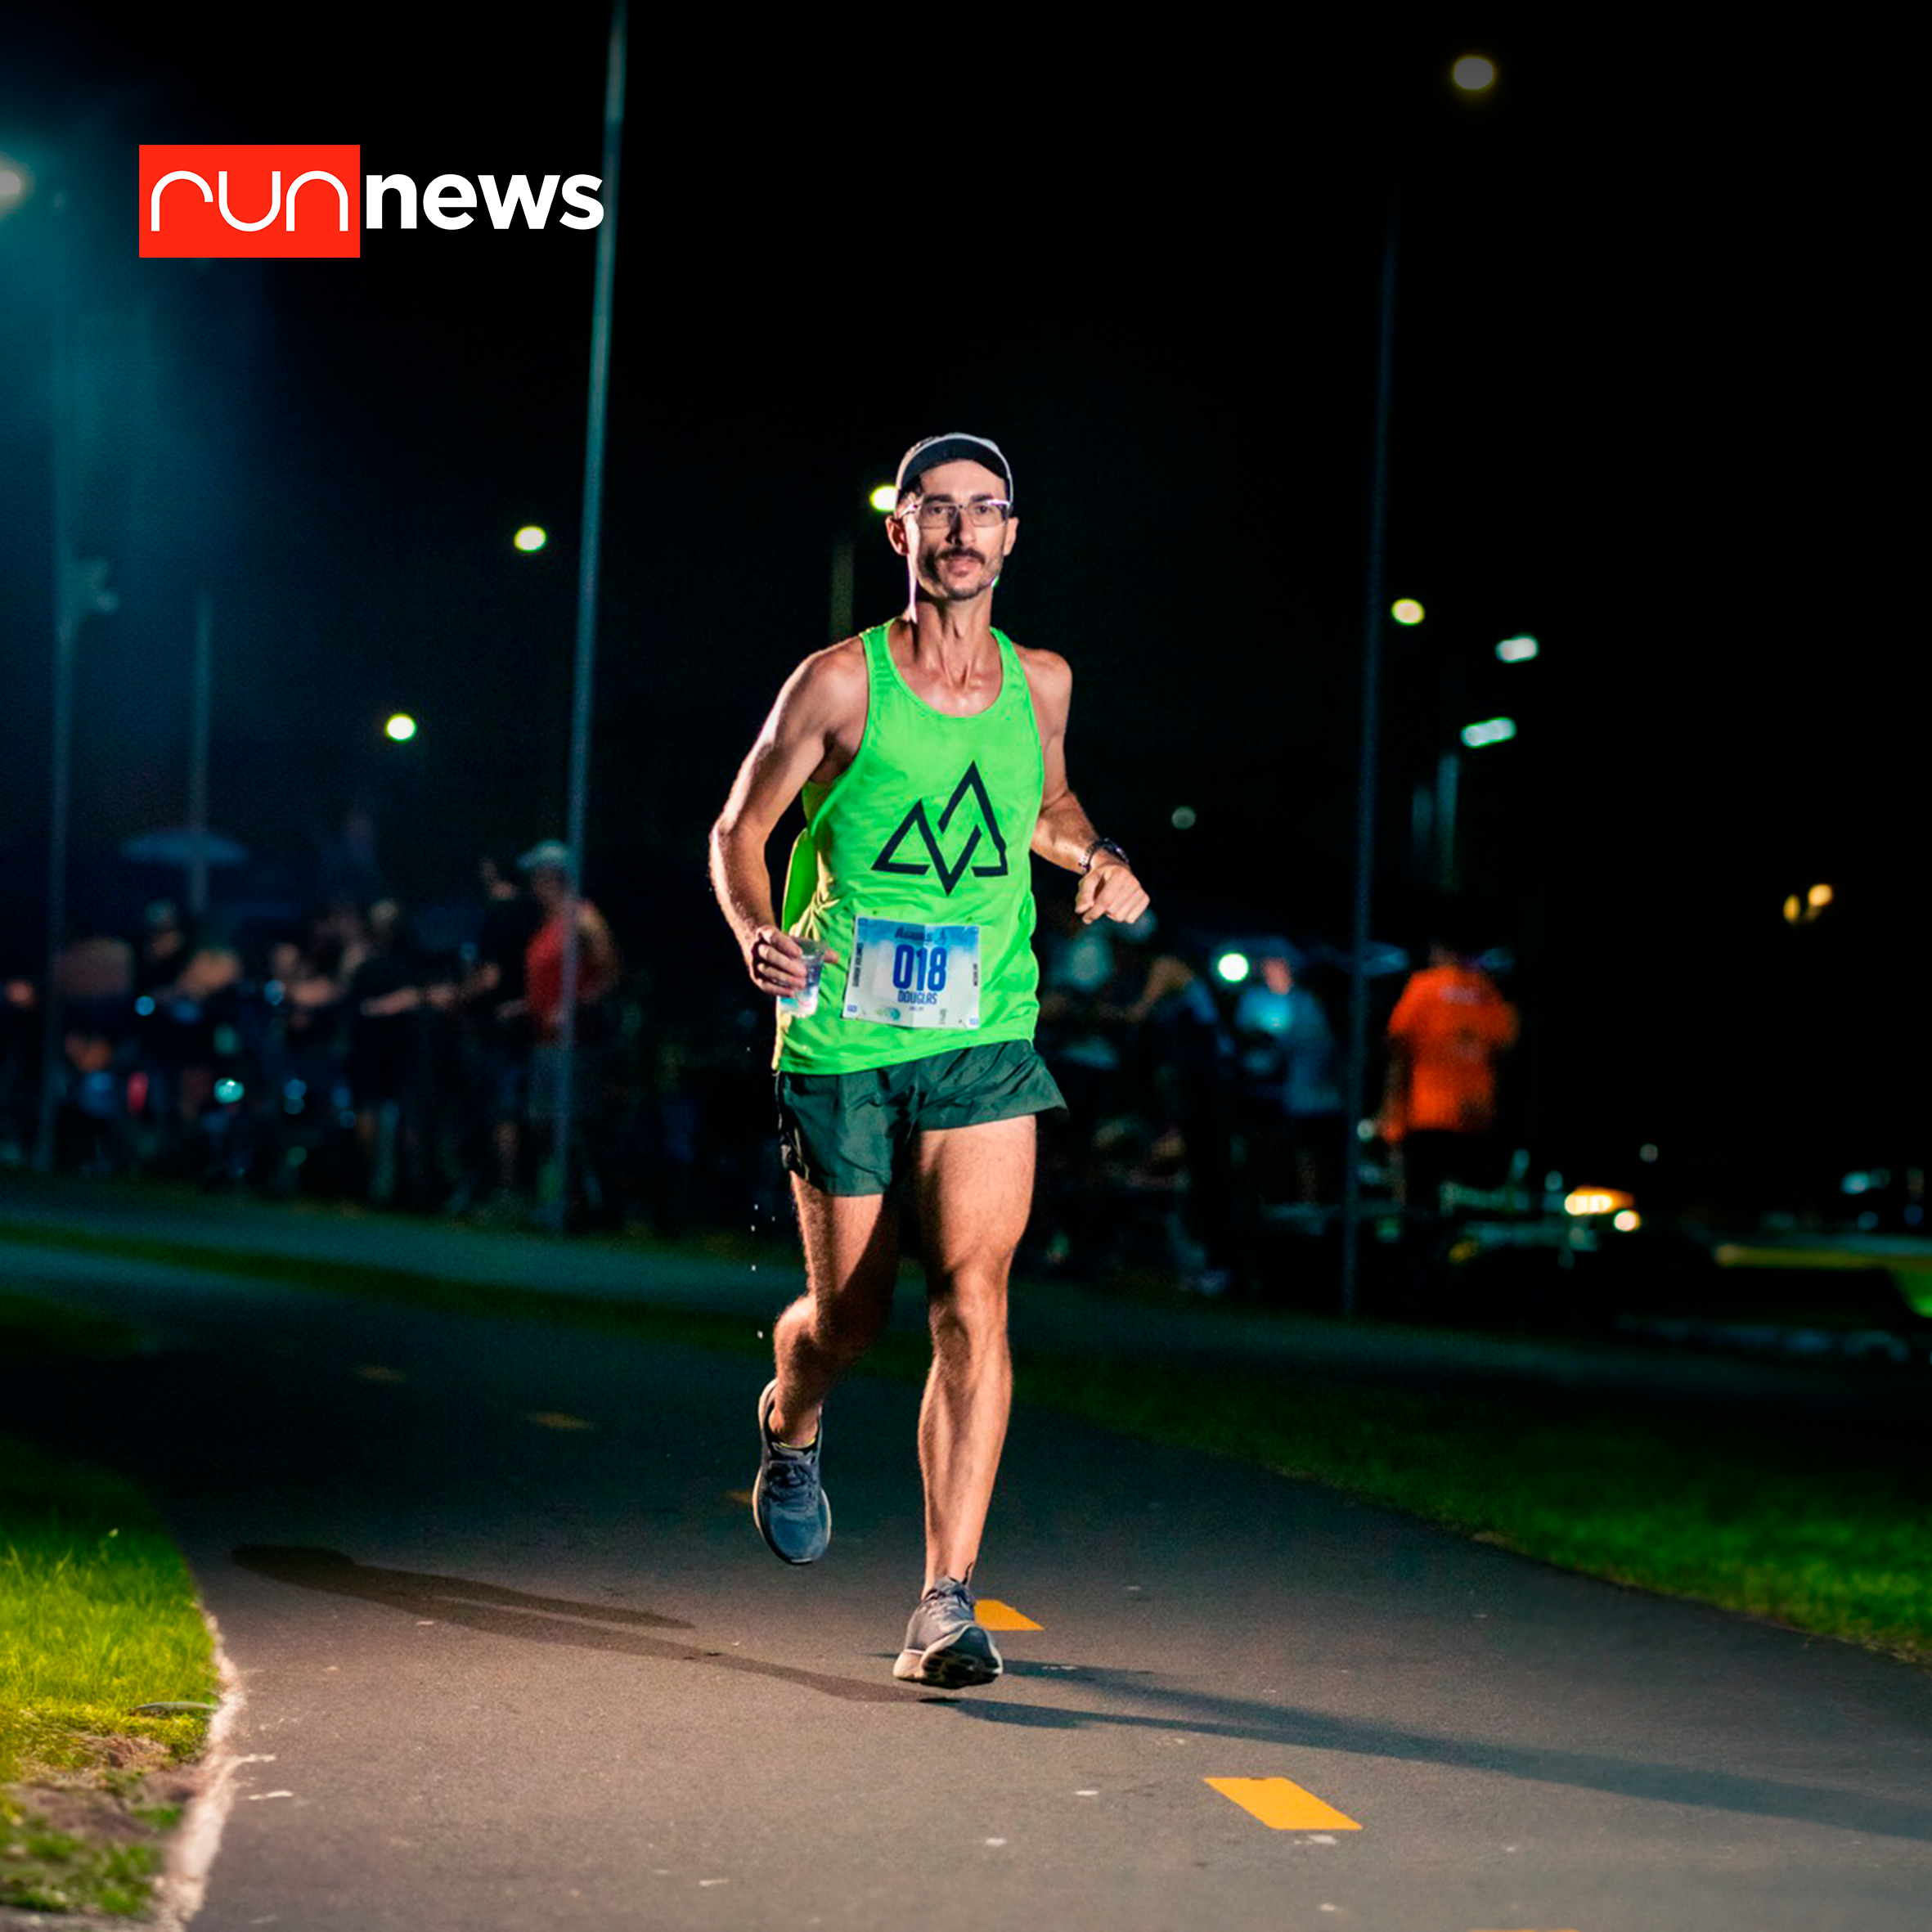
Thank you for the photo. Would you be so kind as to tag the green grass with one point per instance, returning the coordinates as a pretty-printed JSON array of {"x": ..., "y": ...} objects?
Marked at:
[
  {"x": 45, "y": 1869},
  {"x": 97, "y": 1614}
]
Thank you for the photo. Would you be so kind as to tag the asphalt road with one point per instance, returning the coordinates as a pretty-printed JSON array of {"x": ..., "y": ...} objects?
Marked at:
[{"x": 514, "y": 1657}]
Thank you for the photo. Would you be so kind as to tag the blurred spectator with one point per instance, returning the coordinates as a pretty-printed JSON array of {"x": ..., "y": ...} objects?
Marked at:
[
  {"x": 381, "y": 998},
  {"x": 1292, "y": 1093},
  {"x": 546, "y": 866},
  {"x": 489, "y": 999},
  {"x": 164, "y": 947},
  {"x": 1077, "y": 965},
  {"x": 302, "y": 1039},
  {"x": 1178, "y": 1058},
  {"x": 95, "y": 980},
  {"x": 1448, "y": 1029},
  {"x": 185, "y": 1030}
]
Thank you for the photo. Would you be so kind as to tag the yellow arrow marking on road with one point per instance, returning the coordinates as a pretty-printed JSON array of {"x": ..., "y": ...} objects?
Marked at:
[
  {"x": 994, "y": 1615},
  {"x": 550, "y": 1418},
  {"x": 1282, "y": 1806}
]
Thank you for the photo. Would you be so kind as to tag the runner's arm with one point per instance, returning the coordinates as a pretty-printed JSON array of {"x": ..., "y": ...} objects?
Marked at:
[
  {"x": 1064, "y": 835},
  {"x": 796, "y": 741}
]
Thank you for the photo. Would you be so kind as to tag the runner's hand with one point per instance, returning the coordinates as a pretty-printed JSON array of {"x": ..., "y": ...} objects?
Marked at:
[
  {"x": 777, "y": 961},
  {"x": 1110, "y": 891}
]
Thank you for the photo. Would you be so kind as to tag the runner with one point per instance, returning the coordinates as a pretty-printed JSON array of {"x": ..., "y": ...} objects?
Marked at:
[{"x": 930, "y": 751}]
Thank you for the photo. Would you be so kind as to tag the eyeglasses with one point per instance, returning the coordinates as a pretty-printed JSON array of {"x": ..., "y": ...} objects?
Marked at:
[{"x": 982, "y": 513}]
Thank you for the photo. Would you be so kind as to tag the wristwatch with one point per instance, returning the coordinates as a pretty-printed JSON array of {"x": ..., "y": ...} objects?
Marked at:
[{"x": 1100, "y": 845}]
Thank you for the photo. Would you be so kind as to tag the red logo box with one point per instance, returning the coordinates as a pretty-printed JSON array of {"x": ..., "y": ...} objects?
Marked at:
[{"x": 265, "y": 199}]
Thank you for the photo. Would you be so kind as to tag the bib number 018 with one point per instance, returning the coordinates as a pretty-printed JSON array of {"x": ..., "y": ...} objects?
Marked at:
[
  {"x": 918, "y": 968},
  {"x": 906, "y": 974}
]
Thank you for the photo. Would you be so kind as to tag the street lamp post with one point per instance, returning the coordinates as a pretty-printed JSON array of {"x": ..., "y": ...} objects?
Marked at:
[
  {"x": 585, "y": 682},
  {"x": 1472, "y": 73},
  {"x": 1366, "y": 774},
  {"x": 80, "y": 588}
]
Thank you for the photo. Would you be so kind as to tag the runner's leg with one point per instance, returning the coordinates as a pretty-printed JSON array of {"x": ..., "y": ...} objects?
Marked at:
[
  {"x": 975, "y": 1188},
  {"x": 852, "y": 1260}
]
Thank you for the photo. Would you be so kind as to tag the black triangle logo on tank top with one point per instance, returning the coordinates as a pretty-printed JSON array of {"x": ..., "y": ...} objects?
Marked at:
[{"x": 971, "y": 786}]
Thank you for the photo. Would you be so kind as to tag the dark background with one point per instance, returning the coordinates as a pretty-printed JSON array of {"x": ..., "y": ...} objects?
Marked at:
[{"x": 1649, "y": 368}]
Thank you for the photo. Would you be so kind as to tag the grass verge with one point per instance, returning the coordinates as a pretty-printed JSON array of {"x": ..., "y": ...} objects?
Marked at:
[{"x": 97, "y": 1614}]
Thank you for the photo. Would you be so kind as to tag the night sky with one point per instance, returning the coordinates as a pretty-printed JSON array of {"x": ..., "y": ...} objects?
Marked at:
[{"x": 1648, "y": 368}]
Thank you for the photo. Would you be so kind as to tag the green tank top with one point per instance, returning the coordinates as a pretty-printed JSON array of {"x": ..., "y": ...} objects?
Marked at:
[{"x": 931, "y": 823}]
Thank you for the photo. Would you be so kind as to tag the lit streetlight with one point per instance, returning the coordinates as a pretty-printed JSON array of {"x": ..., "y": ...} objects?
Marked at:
[{"x": 1805, "y": 911}]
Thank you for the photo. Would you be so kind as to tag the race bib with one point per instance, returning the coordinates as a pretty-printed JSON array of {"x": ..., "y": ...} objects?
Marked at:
[{"x": 905, "y": 975}]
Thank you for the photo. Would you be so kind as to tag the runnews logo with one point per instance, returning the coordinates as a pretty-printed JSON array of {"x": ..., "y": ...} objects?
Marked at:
[{"x": 271, "y": 199}]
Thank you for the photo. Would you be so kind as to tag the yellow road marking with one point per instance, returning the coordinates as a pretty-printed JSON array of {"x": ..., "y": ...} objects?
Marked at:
[
  {"x": 1282, "y": 1806},
  {"x": 550, "y": 1418},
  {"x": 995, "y": 1615},
  {"x": 371, "y": 1373}
]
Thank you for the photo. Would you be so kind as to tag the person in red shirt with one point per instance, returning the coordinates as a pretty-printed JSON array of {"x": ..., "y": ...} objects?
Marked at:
[
  {"x": 1448, "y": 1029},
  {"x": 547, "y": 867}
]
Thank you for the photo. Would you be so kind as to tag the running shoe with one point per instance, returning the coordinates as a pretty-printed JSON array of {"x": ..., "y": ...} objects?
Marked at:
[
  {"x": 945, "y": 1644},
  {"x": 789, "y": 1502}
]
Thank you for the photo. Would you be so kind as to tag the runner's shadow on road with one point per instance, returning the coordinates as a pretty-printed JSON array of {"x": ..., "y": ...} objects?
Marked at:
[
  {"x": 1203, "y": 1715},
  {"x": 500, "y": 1611}
]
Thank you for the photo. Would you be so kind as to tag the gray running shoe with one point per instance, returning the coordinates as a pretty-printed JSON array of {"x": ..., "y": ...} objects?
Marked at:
[
  {"x": 788, "y": 1502},
  {"x": 945, "y": 1644}
]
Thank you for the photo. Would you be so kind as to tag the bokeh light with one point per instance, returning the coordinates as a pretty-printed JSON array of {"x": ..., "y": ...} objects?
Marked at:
[
  {"x": 1472, "y": 73},
  {"x": 402, "y": 727},
  {"x": 1405, "y": 610},
  {"x": 532, "y": 537}
]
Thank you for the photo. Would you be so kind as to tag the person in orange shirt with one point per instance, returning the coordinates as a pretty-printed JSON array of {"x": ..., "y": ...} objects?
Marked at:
[{"x": 1448, "y": 1029}]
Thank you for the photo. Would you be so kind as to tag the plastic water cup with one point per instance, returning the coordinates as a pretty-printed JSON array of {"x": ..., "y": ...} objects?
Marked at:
[{"x": 803, "y": 1005}]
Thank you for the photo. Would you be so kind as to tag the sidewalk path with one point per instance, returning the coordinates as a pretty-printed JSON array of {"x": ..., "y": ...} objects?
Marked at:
[{"x": 514, "y": 1657}]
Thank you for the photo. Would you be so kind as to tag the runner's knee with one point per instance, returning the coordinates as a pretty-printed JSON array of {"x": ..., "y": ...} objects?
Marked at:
[{"x": 969, "y": 1312}]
